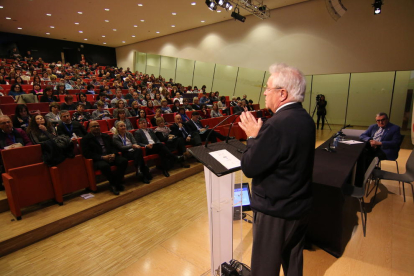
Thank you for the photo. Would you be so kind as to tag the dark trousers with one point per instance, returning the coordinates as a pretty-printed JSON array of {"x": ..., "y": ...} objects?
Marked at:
[
  {"x": 115, "y": 177},
  {"x": 277, "y": 242},
  {"x": 178, "y": 144},
  {"x": 320, "y": 116},
  {"x": 213, "y": 136},
  {"x": 167, "y": 158},
  {"x": 135, "y": 155}
]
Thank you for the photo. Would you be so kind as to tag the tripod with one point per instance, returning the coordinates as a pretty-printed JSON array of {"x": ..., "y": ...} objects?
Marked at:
[{"x": 326, "y": 120}]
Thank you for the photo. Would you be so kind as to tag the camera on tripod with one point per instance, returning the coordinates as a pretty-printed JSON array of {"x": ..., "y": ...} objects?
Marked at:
[{"x": 318, "y": 97}]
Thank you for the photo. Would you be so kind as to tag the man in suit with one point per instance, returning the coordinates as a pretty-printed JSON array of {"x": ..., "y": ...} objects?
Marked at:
[
  {"x": 100, "y": 148},
  {"x": 196, "y": 128},
  {"x": 238, "y": 107},
  {"x": 383, "y": 139},
  {"x": 67, "y": 127},
  {"x": 279, "y": 157},
  {"x": 146, "y": 138},
  {"x": 181, "y": 130}
]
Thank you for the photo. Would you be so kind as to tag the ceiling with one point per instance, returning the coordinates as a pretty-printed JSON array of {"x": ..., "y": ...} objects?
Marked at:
[{"x": 128, "y": 22}]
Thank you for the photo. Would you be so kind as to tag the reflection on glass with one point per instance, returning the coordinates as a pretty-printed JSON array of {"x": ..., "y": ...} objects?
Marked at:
[
  {"x": 153, "y": 64},
  {"x": 203, "y": 75},
  {"x": 184, "y": 73},
  {"x": 168, "y": 65},
  {"x": 225, "y": 79},
  {"x": 250, "y": 83},
  {"x": 141, "y": 62}
]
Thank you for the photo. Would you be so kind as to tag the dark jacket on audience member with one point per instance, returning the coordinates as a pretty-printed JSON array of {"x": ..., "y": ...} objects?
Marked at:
[
  {"x": 78, "y": 129},
  {"x": 142, "y": 138},
  {"x": 91, "y": 149}
]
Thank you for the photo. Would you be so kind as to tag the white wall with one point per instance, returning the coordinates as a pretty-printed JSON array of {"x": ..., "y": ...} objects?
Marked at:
[{"x": 302, "y": 35}]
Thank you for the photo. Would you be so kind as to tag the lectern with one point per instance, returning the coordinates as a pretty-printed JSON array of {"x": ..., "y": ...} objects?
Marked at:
[{"x": 220, "y": 187}]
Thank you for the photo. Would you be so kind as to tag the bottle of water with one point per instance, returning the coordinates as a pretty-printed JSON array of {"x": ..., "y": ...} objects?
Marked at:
[{"x": 336, "y": 140}]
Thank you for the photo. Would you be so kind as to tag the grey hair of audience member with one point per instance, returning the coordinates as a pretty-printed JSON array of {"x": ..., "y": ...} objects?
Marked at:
[
  {"x": 382, "y": 114},
  {"x": 117, "y": 125},
  {"x": 290, "y": 79}
]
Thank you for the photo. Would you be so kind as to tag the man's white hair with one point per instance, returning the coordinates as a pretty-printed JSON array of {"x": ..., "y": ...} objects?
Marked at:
[{"x": 290, "y": 79}]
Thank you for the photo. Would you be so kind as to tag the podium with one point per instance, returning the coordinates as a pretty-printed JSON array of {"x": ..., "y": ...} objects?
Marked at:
[{"x": 220, "y": 187}]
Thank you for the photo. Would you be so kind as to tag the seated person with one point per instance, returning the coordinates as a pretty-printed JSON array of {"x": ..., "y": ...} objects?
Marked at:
[
  {"x": 158, "y": 114},
  {"x": 205, "y": 99},
  {"x": 171, "y": 141},
  {"x": 122, "y": 118},
  {"x": 135, "y": 108},
  {"x": 238, "y": 107},
  {"x": 81, "y": 115},
  {"x": 10, "y": 136},
  {"x": 100, "y": 148},
  {"x": 186, "y": 105},
  {"x": 196, "y": 105},
  {"x": 150, "y": 110},
  {"x": 48, "y": 96},
  {"x": 90, "y": 89},
  {"x": 245, "y": 105},
  {"x": 146, "y": 137},
  {"x": 184, "y": 116},
  {"x": 21, "y": 117},
  {"x": 165, "y": 108},
  {"x": 179, "y": 129},
  {"x": 215, "y": 112},
  {"x": 40, "y": 130},
  {"x": 68, "y": 128},
  {"x": 16, "y": 90},
  {"x": 204, "y": 114},
  {"x": 120, "y": 105},
  {"x": 68, "y": 104},
  {"x": 82, "y": 100},
  {"x": 178, "y": 98},
  {"x": 223, "y": 106},
  {"x": 37, "y": 90},
  {"x": 54, "y": 115},
  {"x": 101, "y": 113},
  {"x": 196, "y": 127},
  {"x": 125, "y": 142},
  {"x": 135, "y": 98},
  {"x": 118, "y": 97},
  {"x": 176, "y": 106},
  {"x": 143, "y": 115},
  {"x": 233, "y": 101},
  {"x": 384, "y": 139},
  {"x": 61, "y": 89},
  {"x": 104, "y": 99}
]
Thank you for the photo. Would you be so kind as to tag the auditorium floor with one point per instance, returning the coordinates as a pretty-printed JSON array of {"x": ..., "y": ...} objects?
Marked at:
[{"x": 166, "y": 233}]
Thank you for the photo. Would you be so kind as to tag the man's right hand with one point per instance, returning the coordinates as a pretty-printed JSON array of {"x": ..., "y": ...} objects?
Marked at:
[
  {"x": 150, "y": 146},
  {"x": 180, "y": 125}
]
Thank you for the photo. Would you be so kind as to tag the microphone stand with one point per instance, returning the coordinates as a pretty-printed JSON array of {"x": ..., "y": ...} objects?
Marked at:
[{"x": 208, "y": 136}]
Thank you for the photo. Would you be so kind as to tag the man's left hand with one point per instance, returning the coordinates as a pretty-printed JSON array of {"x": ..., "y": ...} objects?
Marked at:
[
  {"x": 249, "y": 124},
  {"x": 374, "y": 143}
]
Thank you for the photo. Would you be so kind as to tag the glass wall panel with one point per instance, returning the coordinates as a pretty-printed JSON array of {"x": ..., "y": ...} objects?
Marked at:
[
  {"x": 184, "y": 73},
  {"x": 249, "y": 82},
  {"x": 140, "y": 62},
  {"x": 369, "y": 94},
  {"x": 402, "y": 85},
  {"x": 308, "y": 94},
  {"x": 225, "y": 79},
  {"x": 168, "y": 67},
  {"x": 335, "y": 89},
  {"x": 203, "y": 75},
  {"x": 153, "y": 64},
  {"x": 262, "y": 98}
]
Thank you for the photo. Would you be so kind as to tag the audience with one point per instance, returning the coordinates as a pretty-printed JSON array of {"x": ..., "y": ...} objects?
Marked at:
[
  {"x": 81, "y": 115},
  {"x": 122, "y": 118},
  {"x": 21, "y": 117},
  {"x": 12, "y": 137},
  {"x": 67, "y": 127},
  {"x": 196, "y": 127},
  {"x": 68, "y": 104},
  {"x": 40, "y": 130},
  {"x": 54, "y": 115},
  {"x": 101, "y": 113},
  {"x": 120, "y": 105}
]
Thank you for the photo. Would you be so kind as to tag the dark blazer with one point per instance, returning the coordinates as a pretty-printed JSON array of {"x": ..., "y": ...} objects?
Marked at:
[
  {"x": 141, "y": 138},
  {"x": 192, "y": 127},
  {"x": 78, "y": 129},
  {"x": 391, "y": 139},
  {"x": 91, "y": 149},
  {"x": 196, "y": 106},
  {"x": 120, "y": 145},
  {"x": 175, "y": 130},
  {"x": 280, "y": 161},
  {"x": 45, "y": 99}
]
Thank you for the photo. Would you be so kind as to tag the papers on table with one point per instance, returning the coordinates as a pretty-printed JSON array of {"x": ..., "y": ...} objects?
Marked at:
[
  {"x": 227, "y": 159},
  {"x": 350, "y": 142},
  {"x": 87, "y": 196}
]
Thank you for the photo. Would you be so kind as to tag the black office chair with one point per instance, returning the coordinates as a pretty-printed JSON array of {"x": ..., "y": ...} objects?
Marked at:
[
  {"x": 407, "y": 177},
  {"x": 359, "y": 192}
]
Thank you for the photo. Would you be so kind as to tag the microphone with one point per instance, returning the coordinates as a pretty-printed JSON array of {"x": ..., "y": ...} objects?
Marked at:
[{"x": 232, "y": 115}]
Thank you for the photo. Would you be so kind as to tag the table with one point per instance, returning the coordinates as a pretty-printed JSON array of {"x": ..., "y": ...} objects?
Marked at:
[{"x": 334, "y": 215}]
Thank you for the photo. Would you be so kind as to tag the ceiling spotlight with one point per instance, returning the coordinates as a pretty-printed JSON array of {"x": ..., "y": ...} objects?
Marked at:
[
  {"x": 19, "y": 28},
  {"x": 1, "y": 7},
  {"x": 237, "y": 16},
  {"x": 263, "y": 8},
  {"x": 104, "y": 43},
  {"x": 48, "y": 33},
  {"x": 123, "y": 41},
  {"x": 135, "y": 26},
  {"x": 140, "y": 5},
  {"x": 157, "y": 32},
  {"x": 174, "y": 13},
  {"x": 49, "y": 14},
  {"x": 80, "y": 12},
  {"x": 107, "y": 9},
  {"x": 220, "y": 2},
  {"x": 173, "y": 26},
  {"x": 142, "y": 20},
  {"x": 202, "y": 21},
  {"x": 133, "y": 36},
  {"x": 218, "y": 10},
  {"x": 81, "y": 32},
  {"x": 114, "y": 30},
  {"x": 76, "y": 23},
  {"x": 103, "y": 36},
  {"x": 228, "y": 6},
  {"x": 8, "y": 18},
  {"x": 107, "y": 21},
  {"x": 193, "y": 3},
  {"x": 52, "y": 27},
  {"x": 85, "y": 39},
  {"x": 211, "y": 5},
  {"x": 377, "y": 6}
]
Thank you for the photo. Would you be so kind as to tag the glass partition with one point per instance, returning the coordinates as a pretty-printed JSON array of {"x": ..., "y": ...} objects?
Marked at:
[
  {"x": 167, "y": 70},
  {"x": 308, "y": 94},
  {"x": 249, "y": 82},
  {"x": 141, "y": 62},
  {"x": 153, "y": 64},
  {"x": 184, "y": 73},
  {"x": 203, "y": 75},
  {"x": 369, "y": 94},
  {"x": 335, "y": 89},
  {"x": 225, "y": 79},
  {"x": 402, "y": 85}
]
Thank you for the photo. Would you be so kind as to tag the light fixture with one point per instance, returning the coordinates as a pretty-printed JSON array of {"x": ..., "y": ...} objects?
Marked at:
[
  {"x": 1, "y": 7},
  {"x": 218, "y": 10},
  {"x": 263, "y": 8},
  {"x": 133, "y": 36},
  {"x": 52, "y": 27},
  {"x": 107, "y": 21},
  {"x": 193, "y": 3},
  {"x": 211, "y": 5},
  {"x": 123, "y": 41},
  {"x": 76, "y": 23},
  {"x": 103, "y": 36},
  {"x": 236, "y": 15},
  {"x": 80, "y": 12},
  {"x": 202, "y": 21},
  {"x": 81, "y": 32},
  {"x": 157, "y": 32},
  {"x": 173, "y": 26},
  {"x": 140, "y": 5},
  {"x": 48, "y": 33},
  {"x": 104, "y": 43},
  {"x": 135, "y": 26},
  {"x": 228, "y": 6},
  {"x": 377, "y": 6},
  {"x": 142, "y": 20},
  {"x": 114, "y": 30},
  {"x": 8, "y": 18},
  {"x": 174, "y": 13},
  {"x": 49, "y": 14},
  {"x": 85, "y": 39},
  {"x": 19, "y": 28},
  {"x": 107, "y": 9}
]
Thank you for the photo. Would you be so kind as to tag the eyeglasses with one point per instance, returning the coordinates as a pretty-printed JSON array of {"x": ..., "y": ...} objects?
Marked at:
[{"x": 382, "y": 120}]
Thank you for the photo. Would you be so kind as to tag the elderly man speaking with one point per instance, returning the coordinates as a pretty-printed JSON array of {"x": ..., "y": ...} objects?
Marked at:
[{"x": 279, "y": 158}]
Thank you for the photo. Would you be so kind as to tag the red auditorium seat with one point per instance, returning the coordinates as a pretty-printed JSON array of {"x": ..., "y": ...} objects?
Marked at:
[
  {"x": 8, "y": 109},
  {"x": 12, "y": 158},
  {"x": 6, "y": 100},
  {"x": 43, "y": 107}
]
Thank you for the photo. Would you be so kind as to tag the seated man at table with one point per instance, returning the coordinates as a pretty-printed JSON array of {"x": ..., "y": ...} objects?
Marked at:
[
  {"x": 100, "y": 148},
  {"x": 383, "y": 139},
  {"x": 196, "y": 127}
]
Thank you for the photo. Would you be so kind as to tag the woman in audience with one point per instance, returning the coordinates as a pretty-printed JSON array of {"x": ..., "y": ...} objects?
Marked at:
[
  {"x": 2, "y": 80},
  {"x": 36, "y": 79},
  {"x": 45, "y": 77},
  {"x": 150, "y": 110},
  {"x": 54, "y": 115},
  {"x": 157, "y": 100},
  {"x": 165, "y": 109},
  {"x": 176, "y": 106},
  {"x": 37, "y": 90},
  {"x": 120, "y": 105},
  {"x": 82, "y": 100},
  {"x": 125, "y": 142},
  {"x": 245, "y": 105},
  {"x": 61, "y": 89},
  {"x": 19, "y": 80},
  {"x": 81, "y": 115},
  {"x": 48, "y": 96},
  {"x": 79, "y": 84},
  {"x": 168, "y": 98},
  {"x": 215, "y": 112},
  {"x": 212, "y": 97},
  {"x": 12, "y": 76},
  {"x": 16, "y": 90},
  {"x": 40, "y": 130},
  {"x": 122, "y": 118},
  {"x": 53, "y": 82},
  {"x": 204, "y": 113},
  {"x": 135, "y": 108},
  {"x": 196, "y": 105},
  {"x": 21, "y": 117},
  {"x": 158, "y": 114},
  {"x": 142, "y": 114},
  {"x": 223, "y": 106},
  {"x": 146, "y": 100},
  {"x": 68, "y": 104},
  {"x": 101, "y": 113},
  {"x": 184, "y": 116}
]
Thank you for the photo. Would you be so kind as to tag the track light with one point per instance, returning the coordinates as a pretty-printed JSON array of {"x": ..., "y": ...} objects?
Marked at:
[
  {"x": 228, "y": 6},
  {"x": 377, "y": 6},
  {"x": 211, "y": 5},
  {"x": 236, "y": 15}
]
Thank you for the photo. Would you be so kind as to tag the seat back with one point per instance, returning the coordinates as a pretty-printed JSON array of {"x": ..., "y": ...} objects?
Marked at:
[
  {"x": 6, "y": 100},
  {"x": 370, "y": 169},
  {"x": 352, "y": 133},
  {"x": 19, "y": 157},
  {"x": 8, "y": 109},
  {"x": 409, "y": 166},
  {"x": 43, "y": 107}
]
